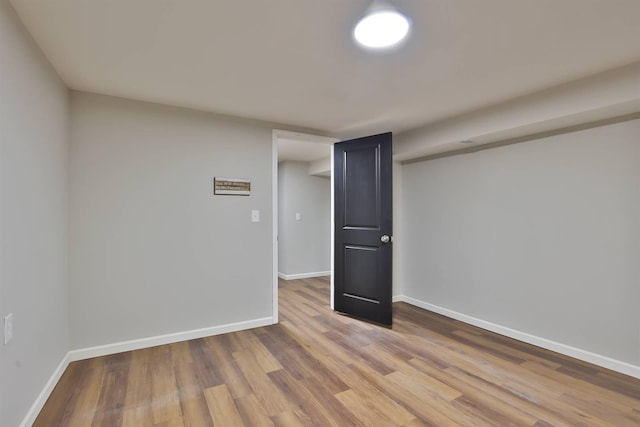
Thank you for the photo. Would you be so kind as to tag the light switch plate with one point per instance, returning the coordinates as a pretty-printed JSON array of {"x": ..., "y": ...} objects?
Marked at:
[
  {"x": 298, "y": 216},
  {"x": 8, "y": 328},
  {"x": 255, "y": 216}
]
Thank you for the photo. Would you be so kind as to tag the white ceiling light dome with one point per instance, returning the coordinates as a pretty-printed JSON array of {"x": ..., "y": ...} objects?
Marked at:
[{"x": 381, "y": 27}]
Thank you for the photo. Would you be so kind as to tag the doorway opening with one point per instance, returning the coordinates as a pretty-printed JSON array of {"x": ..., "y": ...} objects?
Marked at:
[{"x": 302, "y": 188}]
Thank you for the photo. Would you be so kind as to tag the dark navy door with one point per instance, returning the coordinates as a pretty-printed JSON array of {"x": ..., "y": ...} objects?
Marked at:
[{"x": 363, "y": 228}]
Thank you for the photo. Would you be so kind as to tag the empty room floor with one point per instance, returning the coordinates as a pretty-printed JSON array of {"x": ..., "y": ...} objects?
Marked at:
[{"x": 317, "y": 367}]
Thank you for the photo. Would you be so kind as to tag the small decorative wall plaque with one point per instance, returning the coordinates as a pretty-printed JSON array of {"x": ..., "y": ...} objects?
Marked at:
[{"x": 231, "y": 186}]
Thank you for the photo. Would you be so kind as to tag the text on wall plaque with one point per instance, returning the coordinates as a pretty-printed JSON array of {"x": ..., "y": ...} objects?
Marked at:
[{"x": 231, "y": 186}]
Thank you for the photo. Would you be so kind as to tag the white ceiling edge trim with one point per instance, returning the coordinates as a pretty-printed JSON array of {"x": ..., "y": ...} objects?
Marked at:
[{"x": 603, "y": 96}]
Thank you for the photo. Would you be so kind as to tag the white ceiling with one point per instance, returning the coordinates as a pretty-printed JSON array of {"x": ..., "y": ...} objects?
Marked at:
[{"x": 294, "y": 62}]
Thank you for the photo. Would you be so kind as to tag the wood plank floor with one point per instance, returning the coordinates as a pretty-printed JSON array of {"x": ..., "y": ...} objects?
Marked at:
[{"x": 319, "y": 368}]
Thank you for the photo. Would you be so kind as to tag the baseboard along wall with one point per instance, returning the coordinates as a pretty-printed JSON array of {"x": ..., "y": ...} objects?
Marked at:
[
  {"x": 105, "y": 350},
  {"x": 567, "y": 350},
  {"x": 304, "y": 275},
  {"x": 35, "y": 408}
]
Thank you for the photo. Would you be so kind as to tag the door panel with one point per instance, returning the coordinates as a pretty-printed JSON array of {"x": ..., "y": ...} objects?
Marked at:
[
  {"x": 357, "y": 273},
  {"x": 363, "y": 214},
  {"x": 361, "y": 203}
]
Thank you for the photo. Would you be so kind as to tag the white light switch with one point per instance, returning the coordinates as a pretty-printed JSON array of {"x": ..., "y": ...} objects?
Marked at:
[
  {"x": 255, "y": 216},
  {"x": 298, "y": 216},
  {"x": 8, "y": 328}
]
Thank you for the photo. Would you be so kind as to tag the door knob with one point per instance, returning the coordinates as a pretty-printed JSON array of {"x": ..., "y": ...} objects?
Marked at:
[{"x": 385, "y": 238}]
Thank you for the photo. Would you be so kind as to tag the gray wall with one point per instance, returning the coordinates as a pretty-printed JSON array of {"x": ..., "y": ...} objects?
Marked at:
[
  {"x": 542, "y": 237},
  {"x": 152, "y": 250},
  {"x": 303, "y": 246},
  {"x": 33, "y": 218}
]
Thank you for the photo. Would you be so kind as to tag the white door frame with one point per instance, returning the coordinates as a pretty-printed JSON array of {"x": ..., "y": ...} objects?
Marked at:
[
  {"x": 302, "y": 137},
  {"x": 274, "y": 224}
]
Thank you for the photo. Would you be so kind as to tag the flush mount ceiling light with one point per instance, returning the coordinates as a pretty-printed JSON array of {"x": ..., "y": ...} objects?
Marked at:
[{"x": 381, "y": 27}]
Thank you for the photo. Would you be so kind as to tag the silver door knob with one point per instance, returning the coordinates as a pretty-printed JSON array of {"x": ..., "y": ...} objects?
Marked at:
[{"x": 385, "y": 238}]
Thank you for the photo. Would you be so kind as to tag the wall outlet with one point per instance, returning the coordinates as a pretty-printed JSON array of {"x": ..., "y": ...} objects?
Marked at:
[
  {"x": 8, "y": 328},
  {"x": 298, "y": 216},
  {"x": 255, "y": 216}
]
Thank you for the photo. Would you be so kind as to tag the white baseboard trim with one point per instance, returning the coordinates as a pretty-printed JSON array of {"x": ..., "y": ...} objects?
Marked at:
[
  {"x": 303, "y": 275},
  {"x": 398, "y": 298},
  {"x": 587, "y": 356},
  {"x": 104, "y": 350},
  {"x": 35, "y": 409}
]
